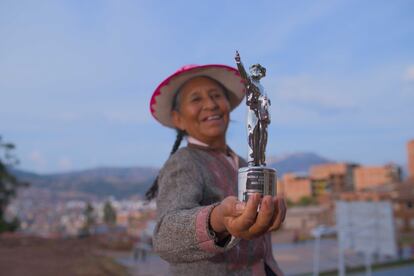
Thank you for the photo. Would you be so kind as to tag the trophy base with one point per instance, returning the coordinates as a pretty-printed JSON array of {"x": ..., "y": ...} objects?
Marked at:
[{"x": 252, "y": 180}]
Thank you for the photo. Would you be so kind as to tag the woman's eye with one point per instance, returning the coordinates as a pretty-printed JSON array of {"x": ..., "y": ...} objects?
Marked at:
[
  {"x": 195, "y": 99},
  {"x": 217, "y": 95}
]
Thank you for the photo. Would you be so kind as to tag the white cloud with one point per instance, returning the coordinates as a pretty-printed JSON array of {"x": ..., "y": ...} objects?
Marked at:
[
  {"x": 369, "y": 98},
  {"x": 409, "y": 73},
  {"x": 277, "y": 35},
  {"x": 311, "y": 90},
  {"x": 65, "y": 164},
  {"x": 38, "y": 160}
]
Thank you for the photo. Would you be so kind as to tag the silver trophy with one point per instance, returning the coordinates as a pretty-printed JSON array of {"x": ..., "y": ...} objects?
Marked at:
[{"x": 256, "y": 177}]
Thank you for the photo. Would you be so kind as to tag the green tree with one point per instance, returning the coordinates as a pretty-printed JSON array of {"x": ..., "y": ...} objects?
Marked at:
[
  {"x": 109, "y": 213},
  {"x": 289, "y": 202},
  {"x": 306, "y": 201},
  {"x": 89, "y": 220},
  {"x": 9, "y": 185}
]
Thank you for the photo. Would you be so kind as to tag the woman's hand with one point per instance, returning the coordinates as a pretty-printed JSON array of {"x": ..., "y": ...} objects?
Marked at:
[{"x": 242, "y": 219}]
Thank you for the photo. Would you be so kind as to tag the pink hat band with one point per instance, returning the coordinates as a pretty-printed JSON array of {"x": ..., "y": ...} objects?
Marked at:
[{"x": 162, "y": 98}]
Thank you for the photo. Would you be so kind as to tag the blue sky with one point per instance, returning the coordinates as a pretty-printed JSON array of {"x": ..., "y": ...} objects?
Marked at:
[{"x": 76, "y": 76}]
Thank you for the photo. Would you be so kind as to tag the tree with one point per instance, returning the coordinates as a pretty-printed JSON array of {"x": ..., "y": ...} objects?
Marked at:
[
  {"x": 89, "y": 220},
  {"x": 109, "y": 213},
  {"x": 89, "y": 215},
  {"x": 306, "y": 201},
  {"x": 9, "y": 184},
  {"x": 289, "y": 202}
]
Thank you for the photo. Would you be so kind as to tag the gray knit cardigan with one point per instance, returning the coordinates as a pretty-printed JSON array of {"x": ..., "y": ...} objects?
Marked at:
[{"x": 191, "y": 183}]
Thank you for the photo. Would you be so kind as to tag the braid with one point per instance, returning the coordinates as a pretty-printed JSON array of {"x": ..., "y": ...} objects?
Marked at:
[
  {"x": 178, "y": 139},
  {"x": 153, "y": 190}
]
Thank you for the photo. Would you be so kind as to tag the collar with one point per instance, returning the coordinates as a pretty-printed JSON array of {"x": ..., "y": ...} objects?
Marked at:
[
  {"x": 229, "y": 155},
  {"x": 195, "y": 143}
]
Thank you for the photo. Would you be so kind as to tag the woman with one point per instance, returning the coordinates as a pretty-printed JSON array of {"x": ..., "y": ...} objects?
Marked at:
[{"x": 202, "y": 228}]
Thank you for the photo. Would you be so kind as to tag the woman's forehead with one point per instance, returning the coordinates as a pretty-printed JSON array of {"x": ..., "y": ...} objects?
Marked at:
[
  {"x": 190, "y": 88},
  {"x": 194, "y": 83}
]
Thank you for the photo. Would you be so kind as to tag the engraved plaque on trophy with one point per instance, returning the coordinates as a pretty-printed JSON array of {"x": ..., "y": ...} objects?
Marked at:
[{"x": 256, "y": 177}]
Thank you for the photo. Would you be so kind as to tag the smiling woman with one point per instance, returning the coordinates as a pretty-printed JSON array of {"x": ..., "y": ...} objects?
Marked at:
[
  {"x": 202, "y": 229},
  {"x": 203, "y": 111}
]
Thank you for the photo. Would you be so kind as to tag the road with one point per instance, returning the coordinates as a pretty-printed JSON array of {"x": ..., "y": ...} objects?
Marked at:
[{"x": 294, "y": 259}]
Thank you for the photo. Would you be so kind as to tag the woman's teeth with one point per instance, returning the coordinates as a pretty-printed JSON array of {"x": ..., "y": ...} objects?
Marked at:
[{"x": 215, "y": 117}]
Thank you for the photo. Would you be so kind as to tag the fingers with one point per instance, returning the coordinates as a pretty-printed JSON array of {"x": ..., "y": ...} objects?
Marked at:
[
  {"x": 248, "y": 217},
  {"x": 279, "y": 214},
  {"x": 264, "y": 218},
  {"x": 283, "y": 208},
  {"x": 232, "y": 207},
  {"x": 243, "y": 220}
]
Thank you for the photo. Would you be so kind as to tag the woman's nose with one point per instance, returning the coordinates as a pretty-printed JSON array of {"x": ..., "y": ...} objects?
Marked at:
[{"x": 210, "y": 103}]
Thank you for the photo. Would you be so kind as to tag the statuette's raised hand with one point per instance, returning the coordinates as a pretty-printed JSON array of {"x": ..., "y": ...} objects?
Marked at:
[{"x": 237, "y": 57}]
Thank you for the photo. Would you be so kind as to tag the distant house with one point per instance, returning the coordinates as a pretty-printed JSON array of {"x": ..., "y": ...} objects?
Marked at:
[
  {"x": 401, "y": 196},
  {"x": 295, "y": 187},
  {"x": 366, "y": 177}
]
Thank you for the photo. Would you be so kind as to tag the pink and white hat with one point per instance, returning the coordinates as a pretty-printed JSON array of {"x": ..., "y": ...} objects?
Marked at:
[{"x": 162, "y": 98}]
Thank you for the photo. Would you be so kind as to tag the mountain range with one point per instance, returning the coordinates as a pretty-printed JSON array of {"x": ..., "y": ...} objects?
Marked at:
[
  {"x": 296, "y": 162},
  {"x": 125, "y": 182}
]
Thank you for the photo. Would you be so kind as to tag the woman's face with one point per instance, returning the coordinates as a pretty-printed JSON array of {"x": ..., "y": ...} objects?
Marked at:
[{"x": 203, "y": 110}]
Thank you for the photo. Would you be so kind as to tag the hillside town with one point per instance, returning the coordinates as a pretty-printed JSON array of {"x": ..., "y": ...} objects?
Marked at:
[
  {"x": 71, "y": 218},
  {"x": 327, "y": 183},
  {"x": 311, "y": 199}
]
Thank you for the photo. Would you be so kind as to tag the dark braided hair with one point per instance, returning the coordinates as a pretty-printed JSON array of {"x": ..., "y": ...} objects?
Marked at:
[{"x": 152, "y": 192}]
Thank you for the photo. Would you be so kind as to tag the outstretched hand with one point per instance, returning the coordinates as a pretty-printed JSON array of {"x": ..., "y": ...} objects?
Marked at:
[{"x": 242, "y": 219}]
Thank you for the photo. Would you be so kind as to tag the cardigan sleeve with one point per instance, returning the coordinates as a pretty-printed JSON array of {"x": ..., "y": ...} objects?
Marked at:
[{"x": 182, "y": 232}]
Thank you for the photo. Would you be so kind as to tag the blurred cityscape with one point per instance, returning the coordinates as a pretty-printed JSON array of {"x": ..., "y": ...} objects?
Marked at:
[
  {"x": 311, "y": 197},
  {"x": 54, "y": 219},
  {"x": 327, "y": 183}
]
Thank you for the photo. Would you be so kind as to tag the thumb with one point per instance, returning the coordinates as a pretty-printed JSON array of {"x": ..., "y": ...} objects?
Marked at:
[
  {"x": 232, "y": 207},
  {"x": 239, "y": 208}
]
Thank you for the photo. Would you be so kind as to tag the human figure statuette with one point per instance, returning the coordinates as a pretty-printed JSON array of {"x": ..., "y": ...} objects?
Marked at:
[
  {"x": 258, "y": 117},
  {"x": 256, "y": 178}
]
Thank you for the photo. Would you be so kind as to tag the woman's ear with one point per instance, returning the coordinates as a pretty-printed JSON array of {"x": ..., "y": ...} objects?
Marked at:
[{"x": 176, "y": 119}]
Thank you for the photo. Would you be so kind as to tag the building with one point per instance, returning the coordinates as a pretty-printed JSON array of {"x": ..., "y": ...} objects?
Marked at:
[
  {"x": 367, "y": 177},
  {"x": 401, "y": 196},
  {"x": 331, "y": 179},
  {"x": 410, "y": 152},
  {"x": 295, "y": 187},
  {"x": 306, "y": 218},
  {"x": 122, "y": 218}
]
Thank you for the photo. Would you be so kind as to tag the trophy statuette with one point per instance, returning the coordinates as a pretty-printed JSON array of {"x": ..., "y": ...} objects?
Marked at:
[{"x": 256, "y": 177}]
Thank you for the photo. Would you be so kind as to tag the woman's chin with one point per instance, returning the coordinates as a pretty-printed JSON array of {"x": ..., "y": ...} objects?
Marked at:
[
  {"x": 214, "y": 129},
  {"x": 215, "y": 135}
]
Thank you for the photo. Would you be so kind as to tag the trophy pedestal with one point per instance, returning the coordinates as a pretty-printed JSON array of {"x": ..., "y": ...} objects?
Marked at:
[{"x": 258, "y": 179}]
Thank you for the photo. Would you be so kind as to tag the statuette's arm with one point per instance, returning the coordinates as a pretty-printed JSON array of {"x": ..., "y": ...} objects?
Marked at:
[{"x": 241, "y": 69}]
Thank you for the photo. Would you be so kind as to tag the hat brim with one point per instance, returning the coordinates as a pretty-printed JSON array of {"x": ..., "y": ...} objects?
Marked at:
[{"x": 162, "y": 98}]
